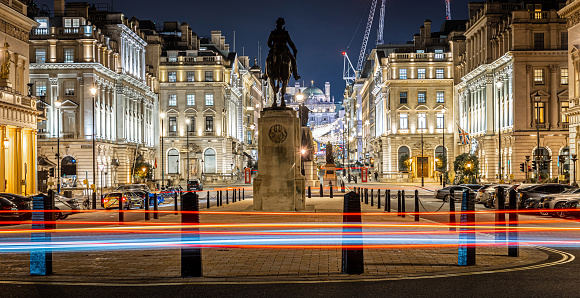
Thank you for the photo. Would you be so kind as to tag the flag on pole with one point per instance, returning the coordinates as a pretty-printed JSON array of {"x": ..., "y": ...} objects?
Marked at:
[{"x": 463, "y": 136}]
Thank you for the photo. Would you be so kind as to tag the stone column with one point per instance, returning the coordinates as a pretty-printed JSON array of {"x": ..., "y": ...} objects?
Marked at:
[
  {"x": 554, "y": 103},
  {"x": 3, "y": 160},
  {"x": 529, "y": 107},
  {"x": 18, "y": 161}
]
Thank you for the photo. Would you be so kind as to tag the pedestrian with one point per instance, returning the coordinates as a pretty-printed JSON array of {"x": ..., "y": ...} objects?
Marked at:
[{"x": 376, "y": 176}]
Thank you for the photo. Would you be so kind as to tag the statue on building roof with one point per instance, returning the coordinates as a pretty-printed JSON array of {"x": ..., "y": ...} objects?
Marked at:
[{"x": 5, "y": 68}]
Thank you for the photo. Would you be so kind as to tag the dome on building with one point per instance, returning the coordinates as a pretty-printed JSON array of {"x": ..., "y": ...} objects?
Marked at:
[{"x": 312, "y": 91}]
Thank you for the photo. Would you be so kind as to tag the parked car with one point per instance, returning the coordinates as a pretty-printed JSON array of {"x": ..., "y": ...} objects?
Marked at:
[
  {"x": 474, "y": 187},
  {"x": 444, "y": 193},
  {"x": 66, "y": 206},
  {"x": 194, "y": 185},
  {"x": 129, "y": 198},
  {"x": 7, "y": 205},
  {"x": 559, "y": 201},
  {"x": 142, "y": 190},
  {"x": 529, "y": 196},
  {"x": 488, "y": 198},
  {"x": 21, "y": 202}
]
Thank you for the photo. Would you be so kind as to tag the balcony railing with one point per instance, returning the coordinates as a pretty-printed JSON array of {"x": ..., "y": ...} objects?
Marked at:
[
  {"x": 210, "y": 134},
  {"x": 419, "y": 56}
]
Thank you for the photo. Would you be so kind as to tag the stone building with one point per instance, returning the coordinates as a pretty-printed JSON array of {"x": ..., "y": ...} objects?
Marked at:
[
  {"x": 572, "y": 14},
  {"x": 203, "y": 82},
  {"x": 514, "y": 76},
  {"x": 18, "y": 112},
  {"x": 406, "y": 106},
  {"x": 73, "y": 50},
  {"x": 321, "y": 104}
]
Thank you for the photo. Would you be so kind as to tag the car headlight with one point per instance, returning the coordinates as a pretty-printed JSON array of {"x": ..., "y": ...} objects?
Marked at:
[{"x": 547, "y": 199}]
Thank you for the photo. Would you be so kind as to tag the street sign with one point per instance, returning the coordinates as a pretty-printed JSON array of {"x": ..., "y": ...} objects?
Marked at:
[{"x": 101, "y": 167}]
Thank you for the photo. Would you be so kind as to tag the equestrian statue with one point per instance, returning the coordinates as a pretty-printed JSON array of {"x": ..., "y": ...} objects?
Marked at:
[{"x": 280, "y": 64}]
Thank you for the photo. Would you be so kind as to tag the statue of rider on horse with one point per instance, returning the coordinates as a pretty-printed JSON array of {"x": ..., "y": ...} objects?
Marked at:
[{"x": 280, "y": 64}]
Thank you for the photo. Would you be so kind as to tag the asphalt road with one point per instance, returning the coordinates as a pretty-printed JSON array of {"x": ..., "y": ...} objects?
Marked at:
[{"x": 555, "y": 281}]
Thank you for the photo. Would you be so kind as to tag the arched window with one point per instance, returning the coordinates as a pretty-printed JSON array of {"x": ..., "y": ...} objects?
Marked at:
[
  {"x": 404, "y": 155},
  {"x": 209, "y": 161},
  {"x": 441, "y": 158},
  {"x": 543, "y": 155},
  {"x": 173, "y": 161},
  {"x": 68, "y": 166}
]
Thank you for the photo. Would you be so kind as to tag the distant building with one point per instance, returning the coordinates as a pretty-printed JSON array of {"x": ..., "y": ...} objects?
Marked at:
[
  {"x": 18, "y": 112},
  {"x": 321, "y": 104}
]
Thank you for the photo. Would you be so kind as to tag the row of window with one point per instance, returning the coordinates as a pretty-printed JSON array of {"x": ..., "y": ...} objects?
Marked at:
[
  {"x": 421, "y": 120},
  {"x": 191, "y": 125},
  {"x": 421, "y": 73},
  {"x": 190, "y": 76},
  {"x": 421, "y": 97},
  {"x": 539, "y": 41},
  {"x": 540, "y": 112},
  {"x": 68, "y": 53},
  {"x": 67, "y": 85},
  {"x": 190, "y": 100},
  {"x": 540, "y": 77}
]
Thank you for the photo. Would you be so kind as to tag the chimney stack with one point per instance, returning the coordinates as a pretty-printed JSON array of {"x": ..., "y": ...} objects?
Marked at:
[{"x": 58, "y": 7}]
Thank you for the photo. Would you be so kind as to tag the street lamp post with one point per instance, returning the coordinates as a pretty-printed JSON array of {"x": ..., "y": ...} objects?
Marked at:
[
  {"x": 422, "y": 173},
  {"x": 162, "y": 153},
  {"x": 527, "y": 171},
  {"x": 94, "y": 92},
  {"x": 537, "y": 99},
  {"x": 499, "y": 85},
  {"x": 444, "y": 151},
  {"x": 574, "y": 159},
  {"x": 188, "y": 122},
  {"x": 57, "y": 104},
  {"x": 303, "y": 151}
]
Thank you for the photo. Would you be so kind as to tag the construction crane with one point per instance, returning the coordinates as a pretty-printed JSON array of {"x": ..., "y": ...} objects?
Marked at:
[{"x": 447, "y": 10}]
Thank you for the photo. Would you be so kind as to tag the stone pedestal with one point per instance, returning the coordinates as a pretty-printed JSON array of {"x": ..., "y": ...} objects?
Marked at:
[
  {"x": 330, "y": 174},
  {"x": 311, "y": 174},
  {"x": 279, "y": 185}
]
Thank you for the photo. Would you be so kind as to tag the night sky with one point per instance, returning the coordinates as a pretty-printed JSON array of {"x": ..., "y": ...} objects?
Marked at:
[{"x": 321, "y": 30}]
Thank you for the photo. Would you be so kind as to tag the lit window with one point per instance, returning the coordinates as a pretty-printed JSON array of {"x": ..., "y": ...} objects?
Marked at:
[
  {"x": 403, "y": 73},
  {"x": 40, "y": 87},
  {"x": 421, "y": 73},
  {"x": 403, "y": 97},
  {"x": 69, "y": 87},
  {"x": 172, "y": 57},
  {"x": 539, "y": 76},
  {"x": 191, "y": 125},
  {"x": 190, "y": 76},
  {"x": 422, "y": 97},
  {"x": 209, "y": 76},
  {"x": 209, "y": 99},
  {"x": 69, "y": 55},
  {"x": 564, "y": 76},
  {"x": 172, "y": 100},
  {"x": 172, "y": 124},
  {"x": 76, "y": 23},
  {"x": 439, "y": 73},
  {"x": 67, "y": 23},
  {"x": 40, "y": 55},
  {"x": 172, "y": 76},
  {"x": 540, "y": 109},
  {"x": 42, "y": 22},
  {"x": 190, "y": 99},
  {"x": 440, "y": 119},
  {"x": 564, "y": 108},
  {"x": 404, "y": 121},
  {"x": 440, "y": 96},
  {"x": 209, "y": 123},
  {"x": 422, "y": 121}
]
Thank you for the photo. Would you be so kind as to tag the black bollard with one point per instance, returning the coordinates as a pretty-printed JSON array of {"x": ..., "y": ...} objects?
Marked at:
[
  {"x": 366, "y": 196},
  {"x": 121, "y": 214},
  {"x": 342, "y": 188},
  {"x": 235, "y": 196},
  {"x": 309, "y": 192},
  {"x": 146, "y": 202},
  {"x": 379, "y": 199},
  {"x": 372, "y": 197},
  {"x": 352, "y": 257},
  {"x": 416, "y": 205},
  {"x": 513, "y": 223},
  {"x": 41, "y": 259},
  {"x": 243, "y": 194},
  {"x": 466, "y": 251},
  {"x": 227, "y": 197},
  {"x": 205, "y": 202},
  {"x": 499, "y": 215},
  {"x": 399, "y": 203},
  {"x": 331, "y": 192},
  {"x": 321, "y": 191},
  {"x": 176, "y": 203},
  {"x": 388, "y": 200},
  {"x": 191, "y": 265},
  {"x": 239, "y": 194},
  {"x": 452, "y": 211},
  {"x": 94, "y": 200},
  {"x": 403, "y": 203},
  {"x": 156, "y": 207}
]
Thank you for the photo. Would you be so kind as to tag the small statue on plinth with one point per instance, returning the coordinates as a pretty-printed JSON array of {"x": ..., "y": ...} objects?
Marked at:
[
  {"x": 329, "y": 155},
  {"x": 280, "y": 63}
]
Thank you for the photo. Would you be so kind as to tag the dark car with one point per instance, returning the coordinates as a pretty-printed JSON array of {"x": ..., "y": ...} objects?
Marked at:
[
  {"x": 21, "y": 202},
  {"x": 529, "y": 196},
  {"x": 10, "y": 211},
  {"x": 194, "y": 185},
  {"x": 142, "y": 190},
  {"x": 444, "y": 193}
]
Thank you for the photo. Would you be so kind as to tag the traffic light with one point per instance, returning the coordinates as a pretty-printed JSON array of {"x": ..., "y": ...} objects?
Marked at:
[
  {"x": 534, "y": 165},
  {"x": 522, "y": 165},
  {"x": 546, "y": 165}
]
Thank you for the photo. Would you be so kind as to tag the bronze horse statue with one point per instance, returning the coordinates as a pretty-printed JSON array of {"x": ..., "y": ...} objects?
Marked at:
[{"x": 280, "y": 64}]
